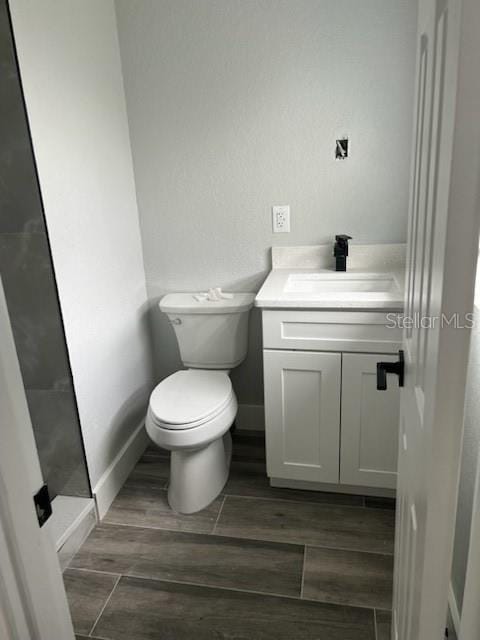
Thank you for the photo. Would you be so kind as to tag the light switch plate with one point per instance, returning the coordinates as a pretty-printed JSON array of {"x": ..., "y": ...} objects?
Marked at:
[{"x": 281, "y": 218}]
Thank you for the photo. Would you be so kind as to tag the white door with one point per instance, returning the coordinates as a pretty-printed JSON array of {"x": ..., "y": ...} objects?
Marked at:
[
  {"x": 302, "y": 414},
  {"x": 369, "y": 425},
  {"x": 33, "y": 604},
  {"x": 443, "y": 244}
]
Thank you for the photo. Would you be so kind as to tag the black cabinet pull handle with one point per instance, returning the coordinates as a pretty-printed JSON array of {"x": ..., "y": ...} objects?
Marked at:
[{"x": 390, "y": 367}]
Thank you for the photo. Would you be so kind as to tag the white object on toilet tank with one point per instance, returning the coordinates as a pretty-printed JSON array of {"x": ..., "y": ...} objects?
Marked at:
[
  {"x": 213, "y": 295},
  {"x": 211, "y": 334}
]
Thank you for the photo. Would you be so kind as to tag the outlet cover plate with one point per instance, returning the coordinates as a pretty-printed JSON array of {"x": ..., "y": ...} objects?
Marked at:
[{"x": 281, "y": 218}]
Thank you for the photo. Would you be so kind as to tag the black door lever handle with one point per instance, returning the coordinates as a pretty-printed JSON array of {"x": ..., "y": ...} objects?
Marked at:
[{"x": 390, "y": 367}]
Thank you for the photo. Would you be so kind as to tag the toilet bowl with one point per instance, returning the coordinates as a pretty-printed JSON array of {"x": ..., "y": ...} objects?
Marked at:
[{"x": 190, "y": 412}]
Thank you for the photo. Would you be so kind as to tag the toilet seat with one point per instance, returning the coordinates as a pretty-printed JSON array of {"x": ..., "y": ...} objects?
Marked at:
[
  {"x": 188, "y": 399},
  {"x": 192, "y": 436}
]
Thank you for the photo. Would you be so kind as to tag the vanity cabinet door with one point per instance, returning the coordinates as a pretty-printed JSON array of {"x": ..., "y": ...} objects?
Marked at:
[
  {"x": 302, "y": 412},
  {"x": 369, "y": 425}
]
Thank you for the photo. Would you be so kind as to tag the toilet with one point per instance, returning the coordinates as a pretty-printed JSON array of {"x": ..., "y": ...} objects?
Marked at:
[{"x": 190, "y": 412}]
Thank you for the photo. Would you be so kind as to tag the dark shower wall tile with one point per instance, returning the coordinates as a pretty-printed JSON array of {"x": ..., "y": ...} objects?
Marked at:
[
  {"x": 20, "y": 208},
  {"x": 34, "y": 312},
  {"x": 57, "y": 434}
]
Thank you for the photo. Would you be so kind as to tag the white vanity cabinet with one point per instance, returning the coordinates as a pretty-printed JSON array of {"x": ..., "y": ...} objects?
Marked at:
[
  {"x": 326, "y": 423},
  {"x": 369, "y": 423},
  {"x": 302, "y": 413}
]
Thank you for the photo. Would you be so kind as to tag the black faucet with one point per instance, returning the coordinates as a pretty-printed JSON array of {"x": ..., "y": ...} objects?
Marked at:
[{"x": 340, "y": 251}]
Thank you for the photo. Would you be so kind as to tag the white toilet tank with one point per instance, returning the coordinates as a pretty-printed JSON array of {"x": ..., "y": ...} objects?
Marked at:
[{"x": 210, "y": 334}]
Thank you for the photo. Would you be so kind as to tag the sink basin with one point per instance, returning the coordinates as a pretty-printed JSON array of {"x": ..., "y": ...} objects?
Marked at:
[{"x": 337, "y": 286}]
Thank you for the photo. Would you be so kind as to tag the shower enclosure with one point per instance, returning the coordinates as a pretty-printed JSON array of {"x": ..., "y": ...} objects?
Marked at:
[{"x": 28, "y": 278}]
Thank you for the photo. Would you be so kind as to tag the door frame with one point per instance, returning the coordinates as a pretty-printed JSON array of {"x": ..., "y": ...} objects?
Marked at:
[
  {"x": 33, "y": 602},
  {"x": 470, "y": 616}
]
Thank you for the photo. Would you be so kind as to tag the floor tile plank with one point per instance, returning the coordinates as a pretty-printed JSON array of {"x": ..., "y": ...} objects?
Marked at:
[
  {"x": 348, "y": 577},
  {"x": 149, "y": 610},
  {"x": 146, "y": 507},
  {"x": 150, "y": 472},
  {"x": 384, "y": 623},
  {"x": 195, "y": 558},
  {"x": 248, "y": 446},
  {"x": 87, "y": 593},
  {"x": 154, "y": 450},
  {"x": 250, "y": 479},
  {"x": 375, "y": 502},
  {"x": 334, "y": 526}
]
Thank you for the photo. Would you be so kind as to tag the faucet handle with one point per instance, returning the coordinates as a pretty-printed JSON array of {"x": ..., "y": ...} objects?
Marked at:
[{"x": 343, "y": 238}]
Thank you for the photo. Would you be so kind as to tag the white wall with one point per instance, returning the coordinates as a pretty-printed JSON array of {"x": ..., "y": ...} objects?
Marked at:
[
  {"x": 71, "y": 72},
  {"x": 235, "y": 105}
]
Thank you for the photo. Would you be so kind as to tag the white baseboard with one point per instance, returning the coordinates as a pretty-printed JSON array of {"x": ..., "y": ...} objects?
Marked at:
[
  {"x": 78, "y": 529},
  {"x": 119, "y": 469},
  {"x": 67, "y": 513},
  {"x": 251, "y": 417},
  {"x": 454, "y": 612}
]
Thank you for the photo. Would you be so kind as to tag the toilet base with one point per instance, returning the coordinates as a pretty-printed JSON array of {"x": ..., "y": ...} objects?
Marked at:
[{"x": 197, "y": 476}]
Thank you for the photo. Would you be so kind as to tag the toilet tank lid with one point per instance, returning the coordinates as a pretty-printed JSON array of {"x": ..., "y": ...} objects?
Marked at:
[{"x": 187, "y": 303}]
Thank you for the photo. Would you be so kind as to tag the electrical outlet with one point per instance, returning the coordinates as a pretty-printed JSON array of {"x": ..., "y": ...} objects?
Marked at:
[{"x": 281, "y": 218}]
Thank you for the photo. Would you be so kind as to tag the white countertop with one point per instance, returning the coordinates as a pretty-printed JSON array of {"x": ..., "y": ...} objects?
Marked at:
[{"x": 378, "y": 263}]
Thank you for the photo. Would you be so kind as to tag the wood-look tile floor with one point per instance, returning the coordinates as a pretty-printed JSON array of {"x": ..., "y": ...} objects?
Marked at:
[{"x": 259, "y": 563}]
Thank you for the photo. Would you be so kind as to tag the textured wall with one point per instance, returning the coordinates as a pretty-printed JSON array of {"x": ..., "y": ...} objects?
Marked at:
[
  {"x": 471, "y": 444},
  {"x": 71, "y": 72},
  {"x": 234, "y": 105},
  {"x": 27, "y": 274}
]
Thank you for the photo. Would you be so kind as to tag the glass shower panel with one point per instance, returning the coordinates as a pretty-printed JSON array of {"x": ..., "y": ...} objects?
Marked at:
[{"x": 30, "y": 289}]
